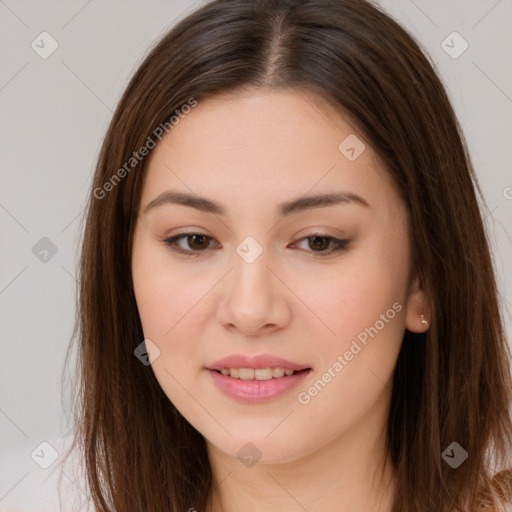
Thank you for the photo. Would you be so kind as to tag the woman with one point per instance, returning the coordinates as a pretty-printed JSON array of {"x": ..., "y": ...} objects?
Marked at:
[{"x": 287, "y": 297}]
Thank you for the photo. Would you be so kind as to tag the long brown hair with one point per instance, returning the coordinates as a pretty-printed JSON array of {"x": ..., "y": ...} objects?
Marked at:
[{"x": 452, "y": 384}]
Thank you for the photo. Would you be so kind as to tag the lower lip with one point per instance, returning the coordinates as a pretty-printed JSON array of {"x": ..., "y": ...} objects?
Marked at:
[{"x": 255, "y": 391}]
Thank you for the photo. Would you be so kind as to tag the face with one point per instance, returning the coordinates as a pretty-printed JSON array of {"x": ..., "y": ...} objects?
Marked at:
[{"x": 322, "y": 286}]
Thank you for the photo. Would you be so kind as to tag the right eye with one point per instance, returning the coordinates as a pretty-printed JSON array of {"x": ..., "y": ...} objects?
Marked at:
[{"x": 196, "y": 241}]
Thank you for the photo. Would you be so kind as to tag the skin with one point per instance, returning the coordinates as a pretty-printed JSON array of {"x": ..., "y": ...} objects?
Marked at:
[{"x": 251, "y": 151}]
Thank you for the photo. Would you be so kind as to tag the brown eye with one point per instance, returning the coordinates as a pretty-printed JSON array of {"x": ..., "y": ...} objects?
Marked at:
[
  {"x": 323, "y": 245},
  {"x": 319, "y": 242},
  {"x": 196, "y": 242}
]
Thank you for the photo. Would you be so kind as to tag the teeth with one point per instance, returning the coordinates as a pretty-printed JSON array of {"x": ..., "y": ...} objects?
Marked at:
[
  {"x": 246, "y": 373},
  {"x": 256, "y": 374},
  {"x": 277, "y": 372},
  {"x": 263, "y": 374}
]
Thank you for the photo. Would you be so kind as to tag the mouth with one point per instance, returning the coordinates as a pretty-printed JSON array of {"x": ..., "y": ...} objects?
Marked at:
[
  {"x": 256, "y": 378},
  {"x": 257, "y": 385},
  {"x": 262, "y": 363}
]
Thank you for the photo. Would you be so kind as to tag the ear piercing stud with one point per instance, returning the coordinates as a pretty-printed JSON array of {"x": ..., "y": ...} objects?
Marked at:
[{"x": 423, "y": 321}]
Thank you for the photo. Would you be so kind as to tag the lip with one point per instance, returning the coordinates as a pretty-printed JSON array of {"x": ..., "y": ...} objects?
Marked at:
[
  {"x": 259, "y": 361},
  {"x": 255, "y": 391}
]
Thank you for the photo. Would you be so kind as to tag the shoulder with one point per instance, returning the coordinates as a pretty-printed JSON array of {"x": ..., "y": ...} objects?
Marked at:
[{"x": 499, "y": 497}]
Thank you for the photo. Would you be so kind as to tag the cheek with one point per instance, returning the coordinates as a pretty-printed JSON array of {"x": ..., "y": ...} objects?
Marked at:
[
  {"x": 356, "y": 364},
  {"x": 168, "y": 304},
  {"x": 164, "y": 295},
  {"x": 349, "y": 301},
  {"x": 364, "y": 307}
]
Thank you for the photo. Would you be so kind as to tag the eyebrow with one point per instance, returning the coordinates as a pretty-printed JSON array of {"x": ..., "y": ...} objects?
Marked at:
[{"x": 286, "y": 208}]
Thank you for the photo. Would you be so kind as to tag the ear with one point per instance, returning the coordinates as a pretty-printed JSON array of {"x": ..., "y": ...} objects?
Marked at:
[{"x": 417, "y": 305}]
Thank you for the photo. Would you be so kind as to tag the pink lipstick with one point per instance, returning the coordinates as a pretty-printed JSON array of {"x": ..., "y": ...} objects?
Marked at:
[{"x": 256, "y": 379}]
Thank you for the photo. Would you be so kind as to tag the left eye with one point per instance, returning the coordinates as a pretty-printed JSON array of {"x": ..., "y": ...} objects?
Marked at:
[
  {"x": 198, "y": 242},
  {"x": 320, "y": 241}
]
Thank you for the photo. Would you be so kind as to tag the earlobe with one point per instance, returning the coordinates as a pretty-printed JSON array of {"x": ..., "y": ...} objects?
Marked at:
[{"x": 418, "y": 309}]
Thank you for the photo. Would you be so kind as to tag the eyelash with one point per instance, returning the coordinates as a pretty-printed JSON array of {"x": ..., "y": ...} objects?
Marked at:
[{"x": 339, "y": 245}]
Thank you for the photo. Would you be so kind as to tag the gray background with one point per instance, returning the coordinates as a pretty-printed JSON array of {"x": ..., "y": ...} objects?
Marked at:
[{"x": 55, "y": 112}]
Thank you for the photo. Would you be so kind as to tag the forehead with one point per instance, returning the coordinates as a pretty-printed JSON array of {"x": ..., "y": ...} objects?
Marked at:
[
  {"x": 261, "y": 145},
  {"x": 250, "y": 121}
]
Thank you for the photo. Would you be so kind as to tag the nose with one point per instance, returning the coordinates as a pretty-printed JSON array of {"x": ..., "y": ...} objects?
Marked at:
[{"x": 254, "y": 299}]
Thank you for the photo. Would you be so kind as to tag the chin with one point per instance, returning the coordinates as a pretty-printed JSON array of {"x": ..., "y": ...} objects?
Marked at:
[{"x": 252, "y": 449}]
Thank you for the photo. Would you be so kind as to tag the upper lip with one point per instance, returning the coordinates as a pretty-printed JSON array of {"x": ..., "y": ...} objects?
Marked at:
[{"x": 259, "y": 361}]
